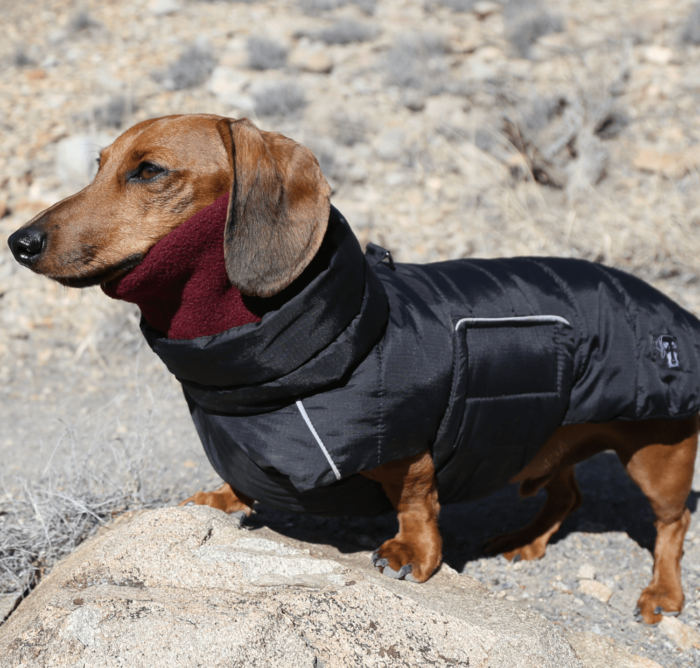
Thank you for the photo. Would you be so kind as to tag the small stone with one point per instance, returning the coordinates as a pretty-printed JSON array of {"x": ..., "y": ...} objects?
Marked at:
[
  {"x": 310, "y": 59},
  {"x": 650, "y": 160},
  {"x": 35, "y": 75},
  {"x": 413, "y": 100},
  {"x": 595, "y": 589},
  {"x": 227, "y": 84},
  {"x": 390, "y": 144},
  {"x": 595, "y": 651},
  {"x": 683, "y": 635},
  {"x": 442, "y": 107},
  {"x": 485, "y": 8},
  {"x": 674, "y": 165},
  {"x": 658, "y": 55},
  {"x": 76, "y": 158},
  {"x": 164, "y": 7},
  {"x": 586, "y": 572}
]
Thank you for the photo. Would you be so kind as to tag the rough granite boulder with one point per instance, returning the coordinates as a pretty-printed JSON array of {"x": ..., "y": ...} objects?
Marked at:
[{"x": 190, "y": 587}]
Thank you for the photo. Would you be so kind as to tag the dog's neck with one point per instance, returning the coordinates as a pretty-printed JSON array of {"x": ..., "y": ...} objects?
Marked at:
[{"x": 181, "y": 285}]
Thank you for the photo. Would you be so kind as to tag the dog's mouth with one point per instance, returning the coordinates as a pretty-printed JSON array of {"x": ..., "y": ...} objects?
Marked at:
[{"x": 104, "y": 276}]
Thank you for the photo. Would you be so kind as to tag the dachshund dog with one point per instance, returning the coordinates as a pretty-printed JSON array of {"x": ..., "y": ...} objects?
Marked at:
[{"x": 162, "y": 172}]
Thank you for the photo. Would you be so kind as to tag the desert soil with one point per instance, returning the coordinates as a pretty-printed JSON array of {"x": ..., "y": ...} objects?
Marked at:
[{"x": 447, "y": 129}]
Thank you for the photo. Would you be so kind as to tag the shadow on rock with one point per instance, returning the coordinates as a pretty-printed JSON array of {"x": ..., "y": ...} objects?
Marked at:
[{"x": 612, "y": 503}]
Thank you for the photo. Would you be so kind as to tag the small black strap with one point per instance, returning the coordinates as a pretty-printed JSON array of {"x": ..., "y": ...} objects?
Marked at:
[{"x": 376, "y": 254}]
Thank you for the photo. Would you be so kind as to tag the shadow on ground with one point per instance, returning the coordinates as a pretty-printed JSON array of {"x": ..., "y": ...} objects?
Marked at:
[{"x": 612, "y": 502}]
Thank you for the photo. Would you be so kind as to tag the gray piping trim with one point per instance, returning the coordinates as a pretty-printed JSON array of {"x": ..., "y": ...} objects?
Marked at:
[
  {"x": 304, "y": 414},
  {"x": 520, "y": 318}
]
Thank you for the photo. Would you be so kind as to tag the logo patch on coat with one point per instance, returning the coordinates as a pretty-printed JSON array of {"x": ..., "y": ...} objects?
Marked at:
[{"x": 668, "y": 350}]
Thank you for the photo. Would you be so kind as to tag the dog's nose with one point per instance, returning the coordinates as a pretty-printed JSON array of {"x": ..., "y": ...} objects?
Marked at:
[{"x": 27, "y": 245}]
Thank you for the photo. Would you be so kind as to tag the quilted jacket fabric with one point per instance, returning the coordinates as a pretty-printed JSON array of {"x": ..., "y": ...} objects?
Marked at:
[{"x": 479, "y": 360}]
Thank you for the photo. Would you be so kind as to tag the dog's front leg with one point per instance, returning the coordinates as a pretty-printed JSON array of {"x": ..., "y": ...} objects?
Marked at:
[
  {"x": 225, "y": 498},
  {"x": 416, "y": 551}
]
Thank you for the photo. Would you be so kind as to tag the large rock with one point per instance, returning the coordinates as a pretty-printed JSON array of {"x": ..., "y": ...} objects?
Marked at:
[{"x": 189, "y": 587}]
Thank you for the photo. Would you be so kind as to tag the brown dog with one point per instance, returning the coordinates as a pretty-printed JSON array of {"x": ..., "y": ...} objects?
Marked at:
[{"x": 161, "y": 172}]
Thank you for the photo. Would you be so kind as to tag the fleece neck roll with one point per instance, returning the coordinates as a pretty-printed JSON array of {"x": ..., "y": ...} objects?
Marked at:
[{"x": 181, "y": 286}]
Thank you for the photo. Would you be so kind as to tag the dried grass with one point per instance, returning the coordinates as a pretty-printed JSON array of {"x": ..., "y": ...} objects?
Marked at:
[{"x": 43, "y": 520}]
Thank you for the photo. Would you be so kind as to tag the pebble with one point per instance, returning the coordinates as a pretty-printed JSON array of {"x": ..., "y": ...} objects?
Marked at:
[
  {"x": 391, "y": 144},
  {"x": 586, "y": 572},
  {"x": 658, "y": 55},
  {"x": 682, "y": 634},
  {"x": 227, "y": 84},
  {"x": 76, "y": 158},
  {"x": 312, "y": 59},
  {"x": 485, "y": 8},
  {"x": 164, "y": 7},
  {"x": 596, "y": 589}
]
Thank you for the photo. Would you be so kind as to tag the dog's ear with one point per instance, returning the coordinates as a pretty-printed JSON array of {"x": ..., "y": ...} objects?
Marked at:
[{"x": 277, "y": 212}]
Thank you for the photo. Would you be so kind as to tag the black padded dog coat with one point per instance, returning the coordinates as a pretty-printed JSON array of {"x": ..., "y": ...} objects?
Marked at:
[{"x": 479, "y": 360}]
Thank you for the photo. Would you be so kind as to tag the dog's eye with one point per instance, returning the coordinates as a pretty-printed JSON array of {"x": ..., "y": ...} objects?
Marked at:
[{"x": 147, "y": 170}]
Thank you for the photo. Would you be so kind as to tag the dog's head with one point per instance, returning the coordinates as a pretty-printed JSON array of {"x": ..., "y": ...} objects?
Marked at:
[{"x": 160, "y": 173}]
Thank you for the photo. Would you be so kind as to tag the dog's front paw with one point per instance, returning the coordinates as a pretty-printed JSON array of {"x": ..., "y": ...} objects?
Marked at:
[
  {"x": 403, "y": 560},
  {"x": 653, "y": 604}
]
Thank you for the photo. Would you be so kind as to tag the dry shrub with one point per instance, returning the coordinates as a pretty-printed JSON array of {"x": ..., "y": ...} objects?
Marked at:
[
  {"x": 417, "y": 61},
  {"x": 691, "y": 31},
  {"x": 113, "y": 113},
  {"x": 279, "y": 98},
  {"x": 191, "y": 69},
  {"x": 318, "y": 7},
  {"x": 44, "y": 520},
  {"x": 265, "y": 54},
  {"x": 82, "y": 21},
  {"x": 525, "y": 21},
  {"x": 456, "y": 5},
  {"x": 345, "y": 32}
]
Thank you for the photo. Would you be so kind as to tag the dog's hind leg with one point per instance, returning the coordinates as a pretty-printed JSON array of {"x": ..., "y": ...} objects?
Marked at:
[
  {"x": 530, "y": 542},
  {"x": 225, "y": 498},
  {"x": 664, "y": 472}
]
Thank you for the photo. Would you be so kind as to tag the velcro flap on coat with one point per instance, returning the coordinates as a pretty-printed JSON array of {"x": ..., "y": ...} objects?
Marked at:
[{"x": 510, "y": 392}]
